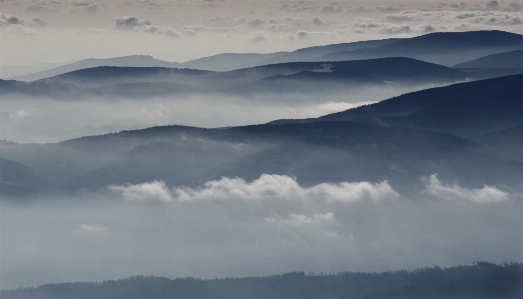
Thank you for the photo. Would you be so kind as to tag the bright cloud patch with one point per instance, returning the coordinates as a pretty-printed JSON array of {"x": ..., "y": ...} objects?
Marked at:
[
  {"x": 487, "y": 194},
  {"x": 284, "y": 187},
  {"x": 299, "y": 219},
  {"x": 91, "y": 229},
  {"x": 153, "y": 191}
]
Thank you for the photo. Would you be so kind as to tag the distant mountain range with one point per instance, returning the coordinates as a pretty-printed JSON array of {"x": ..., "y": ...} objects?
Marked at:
[
  {"x": 505, "y": 60},
  {"x": 445, "y": 48},
  {"x": 295, "y": 77},
  {"x": 466, "y": 132},
  {"x": 220, "y": 62}
]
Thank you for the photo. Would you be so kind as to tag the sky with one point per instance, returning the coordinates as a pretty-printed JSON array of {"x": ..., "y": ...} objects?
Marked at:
[{"x": 36, "y": 32}]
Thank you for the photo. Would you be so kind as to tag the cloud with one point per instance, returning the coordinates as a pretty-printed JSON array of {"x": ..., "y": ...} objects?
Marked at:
[
  {"x": 331, "y": 9},
  {"x": 302, "y": 34},
  {"x": 152, "y": 191},
  {"x": 398, "y": 18},
  {"x": 284, "y": 187},
  {"x": 395, "y": 29},
  {"x": 491, "y": 18},
  {"x": 221, "y": 21},
  {"x": 91, "y": 229},
  {"x": 152, "y": 29},
  {"x": 514, "y": 7},
  {"x": 130, "y": 22},
  {"x": 257, "y": 37},
  {"x": 6, "y": 20},
  {"x": 492, "y": 5},
  {"x": 301, "y": 220},
  {"x": 85, "y": 9},
  {"x": 317, "y": 21},
  {"x": 487, "y": 194},
  {"x": 17, "y": 22}
]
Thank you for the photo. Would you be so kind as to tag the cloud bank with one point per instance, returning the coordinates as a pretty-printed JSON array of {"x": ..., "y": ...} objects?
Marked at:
[{"x": 267, "y": 187}]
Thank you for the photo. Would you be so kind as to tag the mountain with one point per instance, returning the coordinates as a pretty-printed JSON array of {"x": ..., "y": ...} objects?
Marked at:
[
  {"x": 445, "y": 48},
  {"x": 231, "y": 61},
  {"x": 235, "y": 61},
  {"x": 314, "y": 153},
  {"x": 344, "y": 75},
  {"x": 220, "y": 62},
  {"x": 112, "y": 75},
  {"x": 295, "y": 77},
  {"x": 506, "y": 60},
  {"x": 466, "y": 109},
  {"x": 125, "y": 61},
  {"x": 482, "y": 280},
  {"x": 39, "y": 89}
]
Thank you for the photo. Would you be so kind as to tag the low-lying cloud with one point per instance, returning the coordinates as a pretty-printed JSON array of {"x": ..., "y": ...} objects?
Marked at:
[
  {"x": 152, "y": 191},
  {"x": 487, "y": 194},
  {"x": 267, "y": 187}
]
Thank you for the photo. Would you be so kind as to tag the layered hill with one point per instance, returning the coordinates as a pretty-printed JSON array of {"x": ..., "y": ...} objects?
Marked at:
[
  {"x": 295, "y": 77},
  {"x": 445, "y": 48},
  {"x": 440, "y": 130},
  {"x": 505, "y": 60},
  {"x": 465, "y": 109}
]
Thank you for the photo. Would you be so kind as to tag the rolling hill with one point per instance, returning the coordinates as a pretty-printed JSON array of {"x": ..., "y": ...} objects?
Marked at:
[{"x": 445, "y": 48}]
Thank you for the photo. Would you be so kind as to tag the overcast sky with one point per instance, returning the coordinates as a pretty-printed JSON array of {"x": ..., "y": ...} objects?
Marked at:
[{"x": 60, "y": 31}]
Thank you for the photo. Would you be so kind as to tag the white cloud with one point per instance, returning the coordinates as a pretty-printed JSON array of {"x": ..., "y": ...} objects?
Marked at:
[
  {"x": 152, "y": 191},
  {"x": 301, "y": 220},
  {"x": 284, "y": 187},
  {"x": 91, "y": 229},
  {"x": 487, "y": 194}
]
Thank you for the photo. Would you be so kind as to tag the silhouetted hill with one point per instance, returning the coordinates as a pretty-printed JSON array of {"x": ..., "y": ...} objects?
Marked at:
[
  {"x": 354, "y": 74},
  {"x": 234, "y": 61},
  {"x": 510, "y": 60},
  {"x": 488, "y": 73},
  {"x": 314, "y": 152},
  {"x": 110, "y": 75},
  {"x": 445, "y": 48},
  {"x": 482, "y": 280},
  {"x": 304, "y": 77},
  {"x": 39, "y": 89},
  {"x": 125, "y": 61},
  {"x": 231, "y": 61},
  {"x": 470, "y": 108}
]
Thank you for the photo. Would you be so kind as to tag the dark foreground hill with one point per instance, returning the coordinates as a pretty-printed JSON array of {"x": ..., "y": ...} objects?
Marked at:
[
  {"x": 466, "y": 109},
  {"x": 482, "y": 280}
]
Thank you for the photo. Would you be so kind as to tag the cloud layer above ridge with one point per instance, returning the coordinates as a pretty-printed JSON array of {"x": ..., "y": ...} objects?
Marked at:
[{"x": 157, "y": 27}]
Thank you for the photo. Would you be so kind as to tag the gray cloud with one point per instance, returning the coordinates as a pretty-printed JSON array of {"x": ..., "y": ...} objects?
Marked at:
[
  {"x": 514, "y": 7},
  {"x": 17, "y": 24},
  {"x": 130, "y": 22},
  {"x": 492, "y": 5}
]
